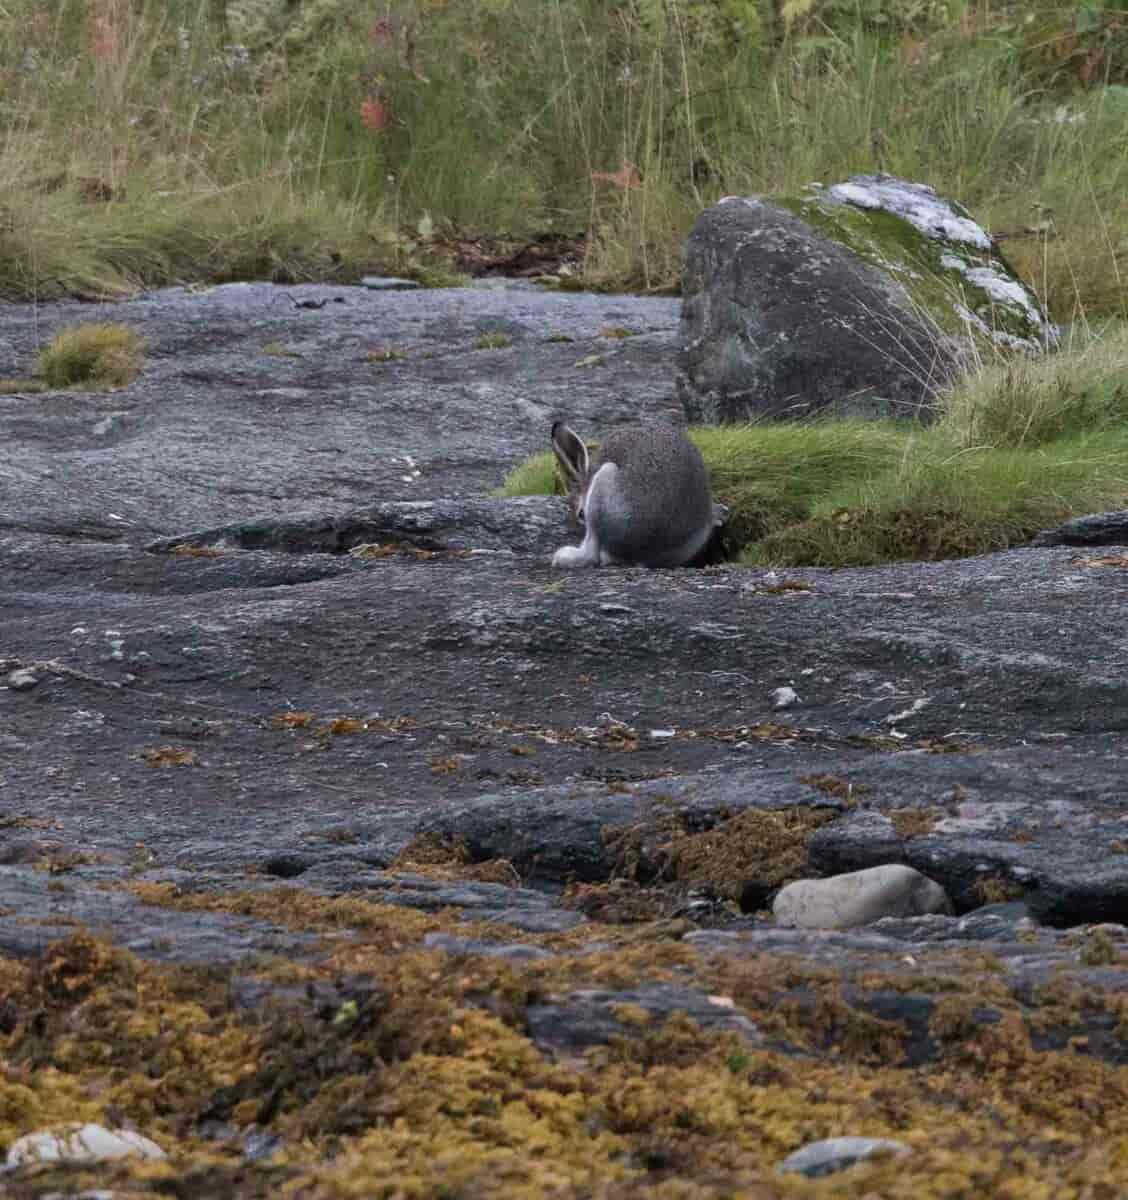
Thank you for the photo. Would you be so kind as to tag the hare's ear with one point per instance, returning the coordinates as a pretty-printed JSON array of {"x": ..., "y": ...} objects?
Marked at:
[{"x": 571, "y": 454}]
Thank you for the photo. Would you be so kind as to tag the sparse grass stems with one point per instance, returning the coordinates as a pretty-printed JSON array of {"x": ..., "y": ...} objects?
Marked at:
[
  {"x": 1030, "y": 401},
  {"x": 94, "y": 357}
]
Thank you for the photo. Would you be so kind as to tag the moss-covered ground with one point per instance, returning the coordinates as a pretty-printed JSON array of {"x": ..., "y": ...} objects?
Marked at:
[{"x": 392, "y": 1070}]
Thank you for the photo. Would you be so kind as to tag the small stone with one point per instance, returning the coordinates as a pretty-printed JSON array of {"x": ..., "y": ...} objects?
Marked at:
[
  {"x": 859, "y": 898},
  {"x": 260, "y": 1145},
  {"x": 90, "y": 1194},
  {"x": 21, "y": 680},
  {"x": 80, "y": 1143},
  {"x": 785, "y": 697},
  {"x": 835, "y": 1154},
  {"x": 388, "y": 283}
]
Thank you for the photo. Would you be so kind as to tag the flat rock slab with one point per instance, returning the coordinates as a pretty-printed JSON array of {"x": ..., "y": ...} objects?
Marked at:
[
  {"x": 250, "y": 407},
  {"x": 247, "y": 700},
  {"x": 53, "y": 906},
  {"x": 836, "y": 1154}
]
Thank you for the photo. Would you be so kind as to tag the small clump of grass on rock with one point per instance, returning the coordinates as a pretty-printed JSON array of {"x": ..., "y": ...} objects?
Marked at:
[{"x": 93, "y": 357}]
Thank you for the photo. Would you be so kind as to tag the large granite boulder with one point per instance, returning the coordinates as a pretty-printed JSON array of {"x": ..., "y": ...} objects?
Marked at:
[{"x": 863, "y": 299}]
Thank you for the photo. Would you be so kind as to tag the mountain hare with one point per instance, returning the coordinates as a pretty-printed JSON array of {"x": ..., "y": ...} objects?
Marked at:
[{"x": 644, "y": 501}]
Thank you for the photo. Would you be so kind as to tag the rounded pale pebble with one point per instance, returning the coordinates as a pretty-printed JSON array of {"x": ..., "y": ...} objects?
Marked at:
[
  {"x": 80, "y": 1143},
  {"x": 835, "y": 1154},
  {"x": 785, "y": 697},
  {"x": 21, "y": 680},
  {"x": 859, "y": 898}
]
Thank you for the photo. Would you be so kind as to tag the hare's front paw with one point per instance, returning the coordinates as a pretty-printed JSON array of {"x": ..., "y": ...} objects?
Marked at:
[{"x": 571, "y": 556}]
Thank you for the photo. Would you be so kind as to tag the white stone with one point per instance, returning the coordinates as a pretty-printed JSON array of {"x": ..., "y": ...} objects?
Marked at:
[
  {"x": 80, "y": 1143},
  {"x": 785, "y": 697},
  {"x": 833, "y": 1154},
  {"x": 21, "y": 680},
  {"x": 859, "y": 898}
]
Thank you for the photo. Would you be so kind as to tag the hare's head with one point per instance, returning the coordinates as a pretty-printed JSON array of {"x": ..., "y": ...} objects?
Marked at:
[{"x": 575, "y": 463}]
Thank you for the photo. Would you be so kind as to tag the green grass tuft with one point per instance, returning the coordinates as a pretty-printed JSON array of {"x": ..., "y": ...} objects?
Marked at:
[
  {"x": 942, "y": 502},
  {"x": 1030, "y": 401},
  {"x": 770, "y": 475},
  {"x": 536, "y": 476},
  {"x": 94, "y": 357},
  {"x": 495, "y": 340}
]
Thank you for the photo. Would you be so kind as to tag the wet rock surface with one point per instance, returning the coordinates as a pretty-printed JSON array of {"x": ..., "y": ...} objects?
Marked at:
[{"x": 229, "y": 745}]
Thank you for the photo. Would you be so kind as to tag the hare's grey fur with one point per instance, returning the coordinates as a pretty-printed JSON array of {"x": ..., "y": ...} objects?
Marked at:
[{"x": 644, "y": 500}]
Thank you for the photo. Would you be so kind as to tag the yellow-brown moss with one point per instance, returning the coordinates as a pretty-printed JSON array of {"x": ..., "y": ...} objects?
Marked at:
[
  {"x": 618, "y": 902},
  {"x": 764, "y": 846},
  {"x": 833, "y": 785},
  {"x": 400, "y": 1072},
  {"x": 914, "y": 822},
  {"x": 439, "y": 856},
  {"x": 298, "y": 909},
  {"x": 997, "y": 889},
  {"x": 1099, "y": 949}
]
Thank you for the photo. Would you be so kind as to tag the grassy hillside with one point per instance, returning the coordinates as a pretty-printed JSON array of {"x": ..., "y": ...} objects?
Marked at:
[{"x": 152, "y": 140}]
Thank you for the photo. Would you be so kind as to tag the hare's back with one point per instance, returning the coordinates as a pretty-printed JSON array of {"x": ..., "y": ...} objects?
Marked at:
[{"x": 663, "y": 500}]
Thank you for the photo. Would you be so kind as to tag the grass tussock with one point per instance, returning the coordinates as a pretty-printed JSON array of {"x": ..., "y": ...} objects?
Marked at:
[
  {"x": 1027, "y": 402},
  {"x": 1019, "y": 445},
  {"x": 94, "y": 357}
]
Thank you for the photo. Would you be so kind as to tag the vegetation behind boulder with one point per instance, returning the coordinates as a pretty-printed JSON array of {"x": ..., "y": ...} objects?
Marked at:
[{"x": 148, "y": 142}]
